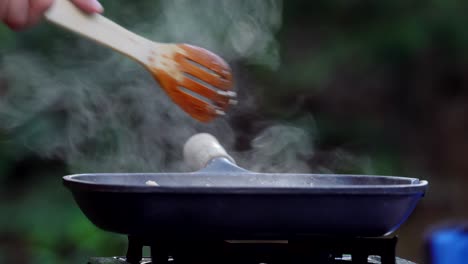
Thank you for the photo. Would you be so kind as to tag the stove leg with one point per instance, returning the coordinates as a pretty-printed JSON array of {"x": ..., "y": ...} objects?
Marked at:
[
  {"x": 134, "y": 251},
  {"x": 389, "y": 257}
]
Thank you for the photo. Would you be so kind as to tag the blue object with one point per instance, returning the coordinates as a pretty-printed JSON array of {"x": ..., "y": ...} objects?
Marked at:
[{"x": 449, "y": 246}]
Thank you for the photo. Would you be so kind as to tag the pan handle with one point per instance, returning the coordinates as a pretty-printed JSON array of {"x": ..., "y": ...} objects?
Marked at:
[{"x": 201, "y": 149}]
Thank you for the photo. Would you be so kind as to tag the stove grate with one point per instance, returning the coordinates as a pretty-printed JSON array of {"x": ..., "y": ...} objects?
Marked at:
[{"x": 322, "y": 249}]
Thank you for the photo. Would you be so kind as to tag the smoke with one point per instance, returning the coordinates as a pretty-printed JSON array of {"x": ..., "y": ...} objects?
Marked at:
[
  {"x": 240, "y": 29},
  {"x": 102, "y": 112},
  {"x": 280, "y": 148}
]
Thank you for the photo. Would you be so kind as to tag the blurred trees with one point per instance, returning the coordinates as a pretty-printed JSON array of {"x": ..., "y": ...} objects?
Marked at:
[{"x": 386, "y": 80}]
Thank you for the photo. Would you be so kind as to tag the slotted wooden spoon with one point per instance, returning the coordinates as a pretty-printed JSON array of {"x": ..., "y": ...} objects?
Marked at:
[{"x": 199, "y": 81}]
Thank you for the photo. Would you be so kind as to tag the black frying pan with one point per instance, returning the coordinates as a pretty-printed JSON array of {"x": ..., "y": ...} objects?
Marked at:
[{"x": 225, "y": 201}]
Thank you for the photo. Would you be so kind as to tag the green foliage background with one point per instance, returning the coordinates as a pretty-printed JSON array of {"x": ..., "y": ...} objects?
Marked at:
[{"x": 377, "y": 76}]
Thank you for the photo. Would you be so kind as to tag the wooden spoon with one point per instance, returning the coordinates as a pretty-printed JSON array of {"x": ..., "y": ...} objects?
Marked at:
[{"x": 196, "y": 79}]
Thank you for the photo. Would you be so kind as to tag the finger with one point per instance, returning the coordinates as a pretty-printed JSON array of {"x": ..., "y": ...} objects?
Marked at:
[
  {"x": 3, "y": 9},
  {"x": 89, "y": 6},
  {"x": 17, "y": 16},
  {"x": 37, "y": 9}
]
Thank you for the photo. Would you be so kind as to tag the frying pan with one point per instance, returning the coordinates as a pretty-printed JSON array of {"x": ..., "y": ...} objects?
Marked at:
[{"x": 221, "y": 200}]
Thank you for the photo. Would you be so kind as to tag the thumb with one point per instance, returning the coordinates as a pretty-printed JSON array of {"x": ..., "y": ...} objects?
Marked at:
[{"x": 89, "y": 6}]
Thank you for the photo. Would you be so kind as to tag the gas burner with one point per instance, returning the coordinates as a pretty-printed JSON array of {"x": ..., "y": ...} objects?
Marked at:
[{"x": 323, "y": 249}]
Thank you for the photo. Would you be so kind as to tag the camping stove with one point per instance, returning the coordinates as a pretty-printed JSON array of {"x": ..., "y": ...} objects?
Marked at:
[{"x": 308, "y": 250}]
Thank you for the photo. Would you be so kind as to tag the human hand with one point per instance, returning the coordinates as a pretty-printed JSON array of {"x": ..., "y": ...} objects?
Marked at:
[{"x": 21, "y": 14}]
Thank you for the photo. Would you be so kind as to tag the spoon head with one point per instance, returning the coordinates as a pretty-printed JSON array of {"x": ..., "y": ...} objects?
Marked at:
[{"x": 197, "y": 80}]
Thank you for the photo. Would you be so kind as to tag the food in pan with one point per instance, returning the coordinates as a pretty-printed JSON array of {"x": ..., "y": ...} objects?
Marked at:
[{"x": 152, "y": 183}]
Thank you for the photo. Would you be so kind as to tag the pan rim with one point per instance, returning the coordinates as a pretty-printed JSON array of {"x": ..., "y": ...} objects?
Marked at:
[{"x": 415, "y": 187}]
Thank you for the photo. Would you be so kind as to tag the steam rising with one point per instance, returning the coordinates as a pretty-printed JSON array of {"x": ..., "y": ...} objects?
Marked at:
[
  {"x": 102, "y": 112},
  {"x": 280, "y": 148},
  {"x": 241, "y": 29}
]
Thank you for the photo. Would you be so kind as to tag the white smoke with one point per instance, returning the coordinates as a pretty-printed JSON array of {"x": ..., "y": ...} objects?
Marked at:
[
  {"x": 102, "y": 112},
  {"x": 241, "y": 29}
]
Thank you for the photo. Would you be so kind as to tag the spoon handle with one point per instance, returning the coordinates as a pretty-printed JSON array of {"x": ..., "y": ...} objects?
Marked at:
[
  {"x": 201, "y": 149},
  {"x": 99, "y": 29}
]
